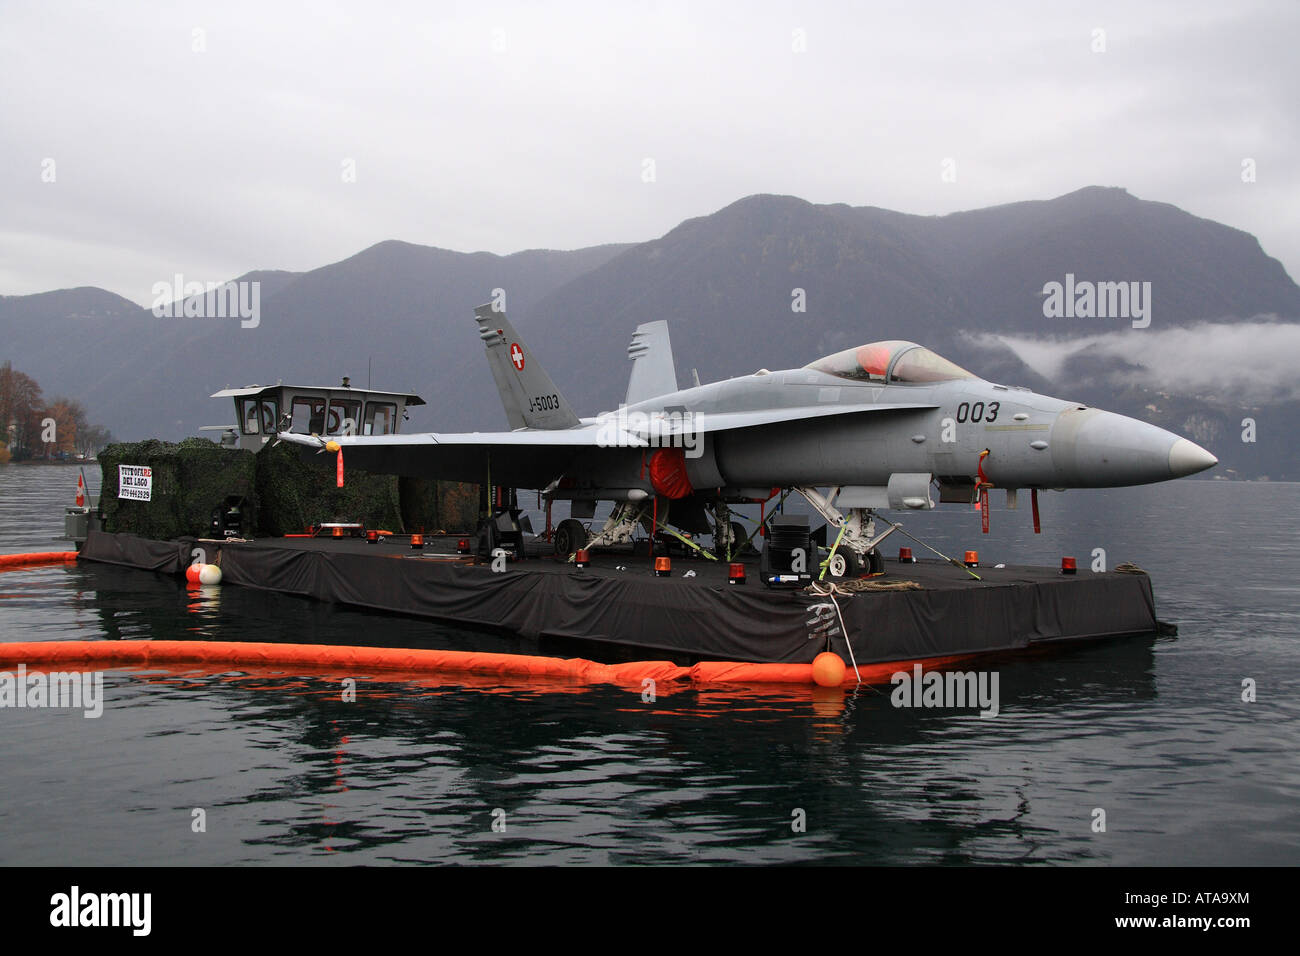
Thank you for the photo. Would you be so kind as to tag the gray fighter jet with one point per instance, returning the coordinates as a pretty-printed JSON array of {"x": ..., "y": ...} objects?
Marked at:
[{"x": 888, "y": 425}]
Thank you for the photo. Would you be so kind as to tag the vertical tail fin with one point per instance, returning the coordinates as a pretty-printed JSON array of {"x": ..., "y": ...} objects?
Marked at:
[
  {"x": 530, "y": 397},
  {"x": 653, "y": 371}
]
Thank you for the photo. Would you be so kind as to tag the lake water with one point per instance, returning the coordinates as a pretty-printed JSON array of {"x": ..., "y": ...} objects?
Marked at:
[{"x": 1153, "y": 732}]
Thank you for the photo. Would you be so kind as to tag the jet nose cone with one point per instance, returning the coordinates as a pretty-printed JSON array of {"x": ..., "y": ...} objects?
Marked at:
[
  {"x": 1187, "y": 458},
  {"x": 1092, "y": 448}
]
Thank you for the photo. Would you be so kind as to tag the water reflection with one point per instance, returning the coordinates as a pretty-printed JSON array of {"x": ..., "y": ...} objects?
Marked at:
[{"x": 1152, "y": 731}]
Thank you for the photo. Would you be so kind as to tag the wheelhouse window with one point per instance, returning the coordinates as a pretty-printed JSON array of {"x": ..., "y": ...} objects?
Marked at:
[
  {"x": 344, "y": 415},
  {"x": 308, "y": 416},
  {"x": 381, "y": 418},
  {"x": 269, "y": 410},
  {"x": 248, "y": 416}
]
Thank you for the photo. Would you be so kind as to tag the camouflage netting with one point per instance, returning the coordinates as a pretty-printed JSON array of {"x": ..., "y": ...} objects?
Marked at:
[
  {"x": 449, "y": 506},
  {"x": 189, "y": 481},
  {"x": 297, "y": 492},
  {"x": 284, "y": 492}
]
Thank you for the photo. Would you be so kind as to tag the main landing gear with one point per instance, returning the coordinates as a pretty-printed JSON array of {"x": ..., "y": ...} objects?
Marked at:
[
  {"x": 569, "y": 537},
  {"x": 854, "y": 549},
  {"x": 728, "y": 536},
  {"x": 622, "y": 521}
]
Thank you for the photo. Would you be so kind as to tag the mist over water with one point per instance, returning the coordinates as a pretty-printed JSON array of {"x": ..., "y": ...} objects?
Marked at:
[{"x": 1154, "y": 731}]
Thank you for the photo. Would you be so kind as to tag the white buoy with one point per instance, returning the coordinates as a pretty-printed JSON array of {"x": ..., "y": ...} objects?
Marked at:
[{"x": 209, "y": 574}]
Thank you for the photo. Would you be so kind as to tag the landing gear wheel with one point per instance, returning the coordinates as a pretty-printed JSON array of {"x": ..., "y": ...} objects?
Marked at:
[
  {"x": 738, "y": 538},
  {"x": 875, "y": 562},
  {"x": 569, "y": 537},
  {"x": 844, "y": 564}
]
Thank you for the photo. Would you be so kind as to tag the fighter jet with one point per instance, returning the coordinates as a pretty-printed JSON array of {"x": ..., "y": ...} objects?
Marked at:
[{"x": 887, "y": 425}]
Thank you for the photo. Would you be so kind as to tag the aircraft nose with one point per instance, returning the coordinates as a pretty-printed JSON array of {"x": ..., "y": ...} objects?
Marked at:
[
  {"x": 1187, "y": 458},
  {"x": 1098, "y": 449}
]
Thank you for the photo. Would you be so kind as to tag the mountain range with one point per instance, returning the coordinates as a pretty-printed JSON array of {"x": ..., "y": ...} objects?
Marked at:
[{"x": 768, "y": 281}]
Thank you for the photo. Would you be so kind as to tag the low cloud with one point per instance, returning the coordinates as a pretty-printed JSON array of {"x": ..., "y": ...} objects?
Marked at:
[{"x": 1250, "y": 362}]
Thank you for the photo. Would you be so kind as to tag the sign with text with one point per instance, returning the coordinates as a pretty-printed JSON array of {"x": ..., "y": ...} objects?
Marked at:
[{"x": 135, "y": 482}]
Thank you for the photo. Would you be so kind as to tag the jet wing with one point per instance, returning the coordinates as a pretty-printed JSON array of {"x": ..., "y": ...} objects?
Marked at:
[
  {"x": 527, "y": 458},
  {"x": 532, "y": 457}
]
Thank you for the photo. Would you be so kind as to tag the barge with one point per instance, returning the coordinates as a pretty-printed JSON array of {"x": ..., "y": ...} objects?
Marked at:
[{"x": 618, "y": 608}]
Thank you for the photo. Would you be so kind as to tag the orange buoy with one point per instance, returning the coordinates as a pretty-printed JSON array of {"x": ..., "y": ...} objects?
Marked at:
[
  {"x": 192, "y": 573},
  {"x": 828, "y": 669}
]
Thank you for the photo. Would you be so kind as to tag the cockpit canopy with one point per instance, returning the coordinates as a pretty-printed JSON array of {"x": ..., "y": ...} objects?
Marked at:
[{"x": 893, "y": 362}]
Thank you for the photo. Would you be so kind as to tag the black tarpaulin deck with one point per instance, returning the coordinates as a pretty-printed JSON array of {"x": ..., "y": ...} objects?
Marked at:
[{"x": 619, "y": 602}]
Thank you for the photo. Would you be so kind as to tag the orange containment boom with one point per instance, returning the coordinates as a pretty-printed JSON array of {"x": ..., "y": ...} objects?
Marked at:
[
  {"x": 415, "y": 661},
  {"x": 39, "y": 557}
]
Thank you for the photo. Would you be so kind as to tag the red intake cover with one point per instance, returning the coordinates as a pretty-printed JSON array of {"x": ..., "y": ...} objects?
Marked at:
[{"x": 668, "y": 473}]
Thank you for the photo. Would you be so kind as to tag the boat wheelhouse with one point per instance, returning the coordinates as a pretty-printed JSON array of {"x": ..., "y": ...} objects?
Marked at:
[{"x": 262, "y": 410}]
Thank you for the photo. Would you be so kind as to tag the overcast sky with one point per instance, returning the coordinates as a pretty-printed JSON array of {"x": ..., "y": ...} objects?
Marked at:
[{"x": 215, "y": 138}]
